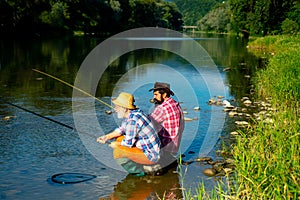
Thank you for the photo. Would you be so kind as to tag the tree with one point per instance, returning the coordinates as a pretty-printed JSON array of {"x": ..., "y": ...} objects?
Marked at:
[
  {"x": 289, "y": 27},
  {"x": 193, "y": 10},
  {"x": 217, "y": 19},
  {"x": 57, "y": 16},
  {"x": 260, "y": 17}
]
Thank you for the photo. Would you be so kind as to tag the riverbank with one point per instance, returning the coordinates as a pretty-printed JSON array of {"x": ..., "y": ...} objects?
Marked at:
[
  {"x": 267, "y": 155},
  {"x": 266, "y": 152}
]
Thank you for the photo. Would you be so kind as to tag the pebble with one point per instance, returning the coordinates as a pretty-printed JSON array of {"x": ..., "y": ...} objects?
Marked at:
[
  {"x": 232, "y": 113},
  {"x": 108, "y": 112},
  {"x": 242, "y": 123},
  {"x": 7, "y": 118},
  {"x": 203, "y": 159},
  {"x": 188, "y": 119},
  {"x": 234, "y": 133},
  {"x": 197, "y": 108},
  {"x": 209, "y": 172},
  {"x": 247, "y": 102}
]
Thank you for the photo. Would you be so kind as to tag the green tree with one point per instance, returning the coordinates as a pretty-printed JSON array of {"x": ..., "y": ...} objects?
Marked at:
[
  {"x": 289, "y": 27},
  {"x": 193, "y": 10},
  {"x": 217, "y": 19},
  {"x": 260, "y": 17},
  {"x": 57, "y": 16}
]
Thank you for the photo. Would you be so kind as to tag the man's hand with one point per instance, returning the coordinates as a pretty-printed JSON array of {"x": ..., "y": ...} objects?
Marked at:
[{"x": 102, "y": 139}]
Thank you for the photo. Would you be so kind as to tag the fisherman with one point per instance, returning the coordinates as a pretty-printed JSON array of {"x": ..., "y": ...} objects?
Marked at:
[
  {"x": 137, "y": 142},
  {"x": 169, "y": 121}
]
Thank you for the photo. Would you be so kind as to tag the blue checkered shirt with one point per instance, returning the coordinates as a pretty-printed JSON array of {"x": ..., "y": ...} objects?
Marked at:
[{"x": 139, "y": 132}]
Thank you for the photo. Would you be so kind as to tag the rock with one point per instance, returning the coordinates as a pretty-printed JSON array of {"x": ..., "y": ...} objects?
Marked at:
[
  {"x": 203, "y": 159},
  {"x": 241, "y": 123},
  {"x": 226, "y": 103},
  {"x": 232, "y": 113},
  {"x": 247, "y": 102},
  {"x": 209, "y": 172},
  {"x": 244, "y": 99},
  {"x": 197, "y": 108},
  {"x": 188, "y": 119},
  {"x": 230, "y": 107},
  {"x": 226, "y": 69},
  {"x": 234, "y": 133},
  {"x": 227, "y": 170},
  {"x": 7, "y": 118},
  {"x": 108, "y": 112},
  {"x": 269, "y": 120}
]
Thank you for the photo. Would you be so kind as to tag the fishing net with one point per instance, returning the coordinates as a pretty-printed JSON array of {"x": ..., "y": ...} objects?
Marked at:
[{"x": 71, "y": 178}]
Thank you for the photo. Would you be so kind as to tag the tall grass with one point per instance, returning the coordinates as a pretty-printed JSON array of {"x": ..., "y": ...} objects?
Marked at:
[{"x": 267, "y": 156}]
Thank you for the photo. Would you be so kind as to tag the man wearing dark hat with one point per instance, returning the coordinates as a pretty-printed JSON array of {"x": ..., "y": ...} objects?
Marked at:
[{"x": 168, "y": 117}]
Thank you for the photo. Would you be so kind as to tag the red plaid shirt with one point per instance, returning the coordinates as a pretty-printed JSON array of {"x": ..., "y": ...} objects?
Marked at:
[{"x": 169, "y": 117}]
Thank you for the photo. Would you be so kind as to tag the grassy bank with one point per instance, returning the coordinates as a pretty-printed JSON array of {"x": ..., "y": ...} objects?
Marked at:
[{"x": 267, "y": 155}]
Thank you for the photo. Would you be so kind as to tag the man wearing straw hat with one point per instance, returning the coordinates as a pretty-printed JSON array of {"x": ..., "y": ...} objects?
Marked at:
[{"x": 137, "y": 143}]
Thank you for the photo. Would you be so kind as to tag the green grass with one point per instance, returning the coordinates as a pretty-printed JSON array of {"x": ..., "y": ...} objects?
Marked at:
[{"x": 267, "y": 155}]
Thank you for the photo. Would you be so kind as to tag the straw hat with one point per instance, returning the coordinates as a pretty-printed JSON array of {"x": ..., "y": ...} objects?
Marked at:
[{"x": 125, "y": 100}]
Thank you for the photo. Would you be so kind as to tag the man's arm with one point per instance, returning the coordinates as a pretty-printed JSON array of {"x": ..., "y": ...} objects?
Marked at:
[{"x": 103, "y": 139}]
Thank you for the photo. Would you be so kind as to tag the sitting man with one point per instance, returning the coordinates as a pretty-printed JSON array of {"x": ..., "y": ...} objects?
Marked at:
[
  {"x": 169, "y": 121},
  {"x": 137, "y": 142}
]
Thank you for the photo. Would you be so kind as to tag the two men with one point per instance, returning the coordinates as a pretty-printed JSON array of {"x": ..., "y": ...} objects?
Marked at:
[{"x": 139, "y": 132}]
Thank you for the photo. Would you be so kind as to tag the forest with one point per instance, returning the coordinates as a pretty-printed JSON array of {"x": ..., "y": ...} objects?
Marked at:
[
  {"x": 106, "y": 17},
  {"x": 38, "y": 17}
]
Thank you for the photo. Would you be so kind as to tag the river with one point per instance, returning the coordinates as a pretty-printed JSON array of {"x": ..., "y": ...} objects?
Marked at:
[{"x": 33, "y": 148}]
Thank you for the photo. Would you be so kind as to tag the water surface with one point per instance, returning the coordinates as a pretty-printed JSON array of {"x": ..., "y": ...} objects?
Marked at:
[{"x": 33, "y": 148}]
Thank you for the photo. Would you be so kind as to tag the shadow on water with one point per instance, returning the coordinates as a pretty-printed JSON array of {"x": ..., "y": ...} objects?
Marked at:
[{"x": 33, "y": 149}]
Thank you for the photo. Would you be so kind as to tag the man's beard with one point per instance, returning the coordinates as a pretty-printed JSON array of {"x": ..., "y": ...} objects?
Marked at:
[
  {"x": 121, "y": 113},
  {"x": 157, "y": 102}
]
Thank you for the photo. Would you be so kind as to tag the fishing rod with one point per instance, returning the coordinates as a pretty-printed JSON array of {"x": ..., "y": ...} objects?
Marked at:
[
  {"x": 44, "y": 117},
  {"x": 72, "y": 86}
]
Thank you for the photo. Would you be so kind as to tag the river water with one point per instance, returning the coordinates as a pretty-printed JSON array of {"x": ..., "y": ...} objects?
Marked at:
[{"x": 33, "y": 149}]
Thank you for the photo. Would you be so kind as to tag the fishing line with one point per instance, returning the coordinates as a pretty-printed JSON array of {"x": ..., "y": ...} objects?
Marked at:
[
  {"x": 52, "y": 120},
  {"x": 72, "y": 86},
  {"x": 63, "y": 178}
]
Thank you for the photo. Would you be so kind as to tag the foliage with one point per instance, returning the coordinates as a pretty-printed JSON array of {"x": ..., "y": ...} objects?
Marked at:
[
  {"x": 267, "y": 156},
  {"x": 289, "y": 27},
  {"x": 218, "y": 19},
  {"x": 89, "y": 16},
  {"x": 194, "y": 10},
  {"x": 57, "y": 16},
  {"x": 260, "y": 17}
]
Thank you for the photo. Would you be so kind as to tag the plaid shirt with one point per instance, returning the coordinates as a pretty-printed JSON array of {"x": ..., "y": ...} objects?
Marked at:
[
  {"x": 170, "y": 118},
  {"x": 139, "y": 132}
]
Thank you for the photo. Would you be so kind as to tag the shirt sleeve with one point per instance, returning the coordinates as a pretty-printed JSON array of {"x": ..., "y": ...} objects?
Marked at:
[
  {"x": 130, "y": 131},
  {"x": 158, "y": 114}
]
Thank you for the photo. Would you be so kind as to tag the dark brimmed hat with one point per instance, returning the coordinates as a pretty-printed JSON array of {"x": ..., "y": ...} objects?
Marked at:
[{"x": 164, "y": 86}]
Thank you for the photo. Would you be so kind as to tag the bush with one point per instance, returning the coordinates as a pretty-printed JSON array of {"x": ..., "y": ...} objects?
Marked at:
[{"x": 289, "y": 27}]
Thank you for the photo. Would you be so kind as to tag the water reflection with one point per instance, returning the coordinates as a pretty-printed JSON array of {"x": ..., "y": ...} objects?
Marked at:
[{"x": 148, "y": 187}]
